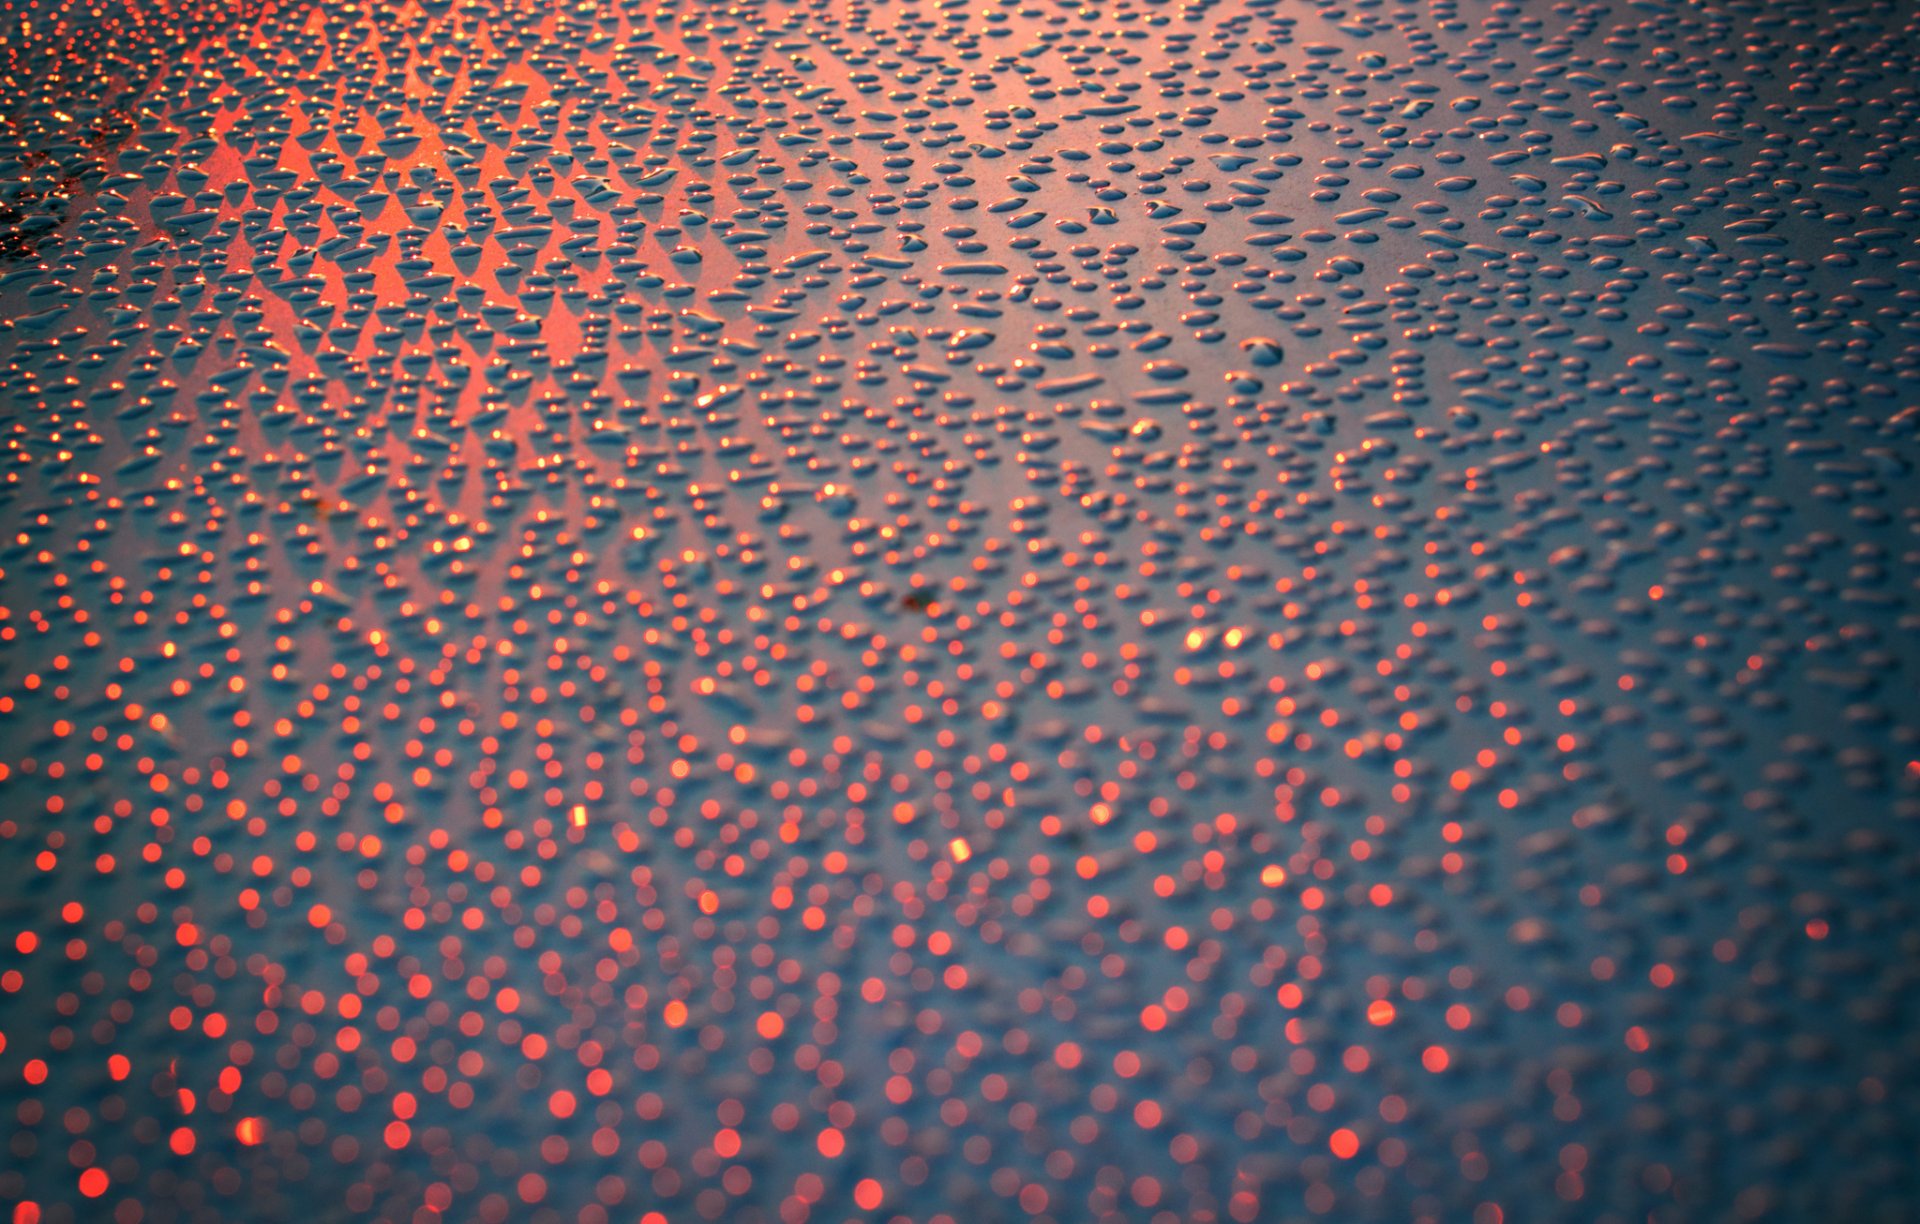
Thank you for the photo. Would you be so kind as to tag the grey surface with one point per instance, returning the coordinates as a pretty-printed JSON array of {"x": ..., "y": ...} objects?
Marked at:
[{"x": 1400, "y": 503}]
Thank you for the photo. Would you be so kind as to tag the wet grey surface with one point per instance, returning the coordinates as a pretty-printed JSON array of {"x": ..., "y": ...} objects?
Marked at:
[{"x": 925, "y": 612}]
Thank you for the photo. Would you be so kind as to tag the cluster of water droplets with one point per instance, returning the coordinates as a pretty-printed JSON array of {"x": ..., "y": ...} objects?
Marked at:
[{"x": 922, "y": 611}]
